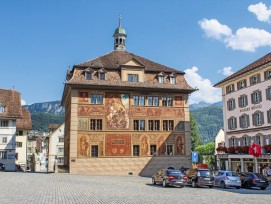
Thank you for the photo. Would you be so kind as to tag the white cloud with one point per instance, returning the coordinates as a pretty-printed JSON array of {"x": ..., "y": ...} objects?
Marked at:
[
  {"x": 23, "y": 102},
  {"x": 246, "y": 39},
  {"x": 214, "y": 29},
  {"x": 226, "y": 71},
  {"x": 206, "y": 92},
  {"x": 261, "y": 11}
]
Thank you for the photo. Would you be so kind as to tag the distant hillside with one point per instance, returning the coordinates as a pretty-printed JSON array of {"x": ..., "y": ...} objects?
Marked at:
[
  {"x": 40, "y": 121},
  {"x": 43, "y": 114},
  {"x": 209, "y": 120},
  {"x": 53, "y": 107},
  {"x": 203, "y": 104}
]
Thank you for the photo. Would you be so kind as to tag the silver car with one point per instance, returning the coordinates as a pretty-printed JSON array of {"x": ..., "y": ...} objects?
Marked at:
[{"x": 226, "y": 179}]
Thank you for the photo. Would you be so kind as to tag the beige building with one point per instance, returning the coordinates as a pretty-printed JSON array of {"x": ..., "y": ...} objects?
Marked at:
[
  {"x": 247, "y": 114},
  {"x": 23, "y": 126},
  {"x": 125, "y": 114}
]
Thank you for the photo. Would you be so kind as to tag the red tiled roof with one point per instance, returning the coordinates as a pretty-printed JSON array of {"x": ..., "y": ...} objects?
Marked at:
[
  {"x": 258, "y": 63},
  {"x": 114, "y": 59},
  {"x": 11, "y": 100},
  {"x": 24, "y": 123}
]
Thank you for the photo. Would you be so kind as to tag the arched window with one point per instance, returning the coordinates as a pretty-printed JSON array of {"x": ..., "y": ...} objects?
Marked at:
[
  {"x": 116, "y": 40},
  {"x": 120, "y": 40},
  {"x": 258, "y": 139},
  {"x": 245, "y": 141},
  {"x": 232, "y": 141},
  {"x": 2, "y": 108}
]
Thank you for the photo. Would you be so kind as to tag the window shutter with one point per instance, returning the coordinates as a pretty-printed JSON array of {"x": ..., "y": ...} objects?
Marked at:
[
  {"x": 248, "y": 122},
  {"x": 240, "y": 122},
  {"x": 258, "y": 78},
  {"x": 252, "y": 98},
  {"x": 239, "y": 102},
  {"x": 228, "y": 105},
  {"x": 235, "y": 123},
  {"x": 253, "y": 119},
  {"x": 268, "y": 116},
  {"x": 260, "y": 96},
  {"x": 262, "y": 118},
  {"x": 265, "y": 75},
  {"x": 233, "y": 101},
  {"x": 245, "y": 83},
  {"x": 229, "y": 124},
  {"x": 246, "y": 100},
  {"x": 251, "y": 81}
]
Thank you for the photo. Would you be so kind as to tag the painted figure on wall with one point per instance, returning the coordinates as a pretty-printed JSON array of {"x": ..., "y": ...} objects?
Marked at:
[
  {"x": 117, "y": 111},
  {"x": 179, "y": 145},
  {"x": 144, "y": 146},
  {"x": 82, "y": 123},
  {"x": 83, "y": 97},
  {"x": 84, "y": 147},
  {"x": 161, "y": 146}
]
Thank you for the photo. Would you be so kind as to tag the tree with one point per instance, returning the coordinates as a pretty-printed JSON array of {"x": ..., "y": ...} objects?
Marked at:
[
  {"x": 206, "y": 154},
  {"x": 195, "y": 136}
]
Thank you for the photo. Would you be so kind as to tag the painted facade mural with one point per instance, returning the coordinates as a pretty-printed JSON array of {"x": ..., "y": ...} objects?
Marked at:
[
  {"x": 90, "y": 110},
  {"x": 118, "y": 145},
  {"x": 84, "y": 146},
  {"x": 179, "y": 101},
  {"x": 82, "y": 124},
  {"x": 161, "y": 145},
  {"x": 117, "y": 111},
  {"x": 83, "y": 97},
  {"x": 179, "y": 145},
  {"x": 144, "y": 146},
  {"x": 157, "y": 112}
]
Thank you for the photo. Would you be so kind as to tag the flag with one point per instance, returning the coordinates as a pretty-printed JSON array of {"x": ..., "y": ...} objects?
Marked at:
[{"x": 255, "y": 150}]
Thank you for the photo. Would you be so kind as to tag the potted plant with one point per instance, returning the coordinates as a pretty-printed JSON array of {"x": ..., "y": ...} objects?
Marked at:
[
  {"x": 231, "y": 150},
  {"x": 267, "y": 148},
  {"x": 244, "y": 149},
  {"x": 237, "y": 149}
]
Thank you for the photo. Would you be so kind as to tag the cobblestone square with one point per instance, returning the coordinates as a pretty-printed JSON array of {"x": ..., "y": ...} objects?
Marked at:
[{"x": 25, "y": 188}]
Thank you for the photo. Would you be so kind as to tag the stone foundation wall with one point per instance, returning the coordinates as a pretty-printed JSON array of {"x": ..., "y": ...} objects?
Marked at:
[{"x": 143, "y": 166}]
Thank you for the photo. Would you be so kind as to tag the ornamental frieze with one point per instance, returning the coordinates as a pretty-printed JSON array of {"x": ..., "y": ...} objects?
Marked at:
[
  {"x": 136, "y": 137},
  {"x": 90, "y": 110},
  {"x": 157, "y": 112}
]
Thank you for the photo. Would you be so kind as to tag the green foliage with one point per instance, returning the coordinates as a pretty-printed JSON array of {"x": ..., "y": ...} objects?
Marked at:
[
  {"x": 209, "y": 121},
  {"x": 206, "y": 149},
  {"x": 40, "y": 121},
  {"x": 195, "y": 136},
  {"x": 206, "y": 153}
]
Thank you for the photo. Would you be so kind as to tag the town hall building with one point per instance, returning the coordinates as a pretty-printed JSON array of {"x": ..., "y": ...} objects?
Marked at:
[{"x": 125, "y": 115}]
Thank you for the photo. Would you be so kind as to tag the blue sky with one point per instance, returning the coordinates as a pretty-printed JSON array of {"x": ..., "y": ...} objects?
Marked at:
[{"x": 207, "y": 39}]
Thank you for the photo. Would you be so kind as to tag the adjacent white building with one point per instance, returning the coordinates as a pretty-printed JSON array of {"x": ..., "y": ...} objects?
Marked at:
[
  {"x": 10, "y": 111},
  {"x": 246, "y": 98},
  {"x": 56, "y": 147}
]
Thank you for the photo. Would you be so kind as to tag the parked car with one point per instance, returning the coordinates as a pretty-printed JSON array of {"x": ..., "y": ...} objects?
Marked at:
[
  {"x": 200, "y": 177},
  {"x": 2, "y": 167},
  {"x": 226, "y": 179},
  {"x": 249, "y": 180},
  {"x": 169, "y": 177}
]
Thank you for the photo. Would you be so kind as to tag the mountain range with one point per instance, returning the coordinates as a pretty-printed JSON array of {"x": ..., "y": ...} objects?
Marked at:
[{"x": 209, "y": 117}]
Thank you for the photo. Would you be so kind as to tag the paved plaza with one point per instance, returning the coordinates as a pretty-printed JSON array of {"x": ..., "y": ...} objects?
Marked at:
[{"x": 25, "y": 188}]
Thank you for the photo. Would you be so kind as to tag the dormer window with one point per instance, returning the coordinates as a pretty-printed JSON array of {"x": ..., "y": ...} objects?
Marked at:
[
  {"x": 101, "y": 74},
  {"x": 2, "y": 108},
  {"x": 161, "y": 77},
  {"x": 133, "y": 77},
  {"x": 172, "y": 78},
  {"x": 88, "y": 73}
]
